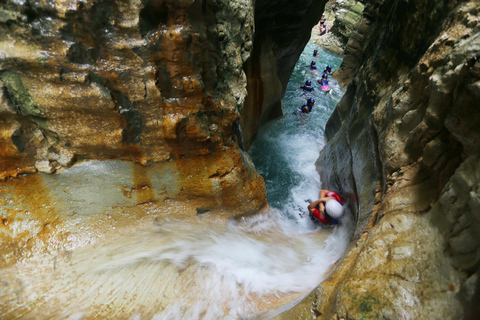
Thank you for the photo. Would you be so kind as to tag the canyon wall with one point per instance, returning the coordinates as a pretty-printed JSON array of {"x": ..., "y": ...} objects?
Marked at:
[
  {"x": 120, "y": 104},
  {"x": 115, "y": 111},
  {"x": 403, "y": 147},
  {"x": 345, "y": 14}
]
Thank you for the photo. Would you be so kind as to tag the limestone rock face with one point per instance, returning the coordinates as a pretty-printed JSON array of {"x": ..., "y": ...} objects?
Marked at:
[
  {"x": 152, "y": 89},
  {"x": 403, "y": 147},
  {"x": 282, "y": 29},
  {"x": 346, "y": 15},
  {"x": 352, "y": 49}
]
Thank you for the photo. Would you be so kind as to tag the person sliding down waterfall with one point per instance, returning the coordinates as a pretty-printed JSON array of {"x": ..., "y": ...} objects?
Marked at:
[{"x": 328, "y": 208}]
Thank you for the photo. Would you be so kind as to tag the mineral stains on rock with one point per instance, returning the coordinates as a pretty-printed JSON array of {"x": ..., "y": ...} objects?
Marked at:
[{"x": 116, "y": 106}]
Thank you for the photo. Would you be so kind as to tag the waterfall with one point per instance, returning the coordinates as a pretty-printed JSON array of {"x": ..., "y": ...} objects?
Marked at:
[
  {"x": 286, "y": 149},
  {"x": 204, "y": 268}
]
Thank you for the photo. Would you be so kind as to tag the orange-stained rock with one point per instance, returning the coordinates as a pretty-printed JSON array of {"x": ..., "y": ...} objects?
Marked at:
[
  {"x": 141, "y": 81},
  {"x": 125, "y": 109}
]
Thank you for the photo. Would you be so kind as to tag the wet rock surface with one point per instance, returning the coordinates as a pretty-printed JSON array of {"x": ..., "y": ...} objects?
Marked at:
[
  {"x": 128, "y": 107},
  {"x": 342, "y": 18},
  {"x": 401, "y": 148},
  {"x": 141, "y": 81}
]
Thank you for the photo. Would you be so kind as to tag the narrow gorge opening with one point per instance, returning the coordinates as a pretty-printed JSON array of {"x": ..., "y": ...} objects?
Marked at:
[
  {"x": 285, "y": 152},
  {"x": 126, "y": 190}
]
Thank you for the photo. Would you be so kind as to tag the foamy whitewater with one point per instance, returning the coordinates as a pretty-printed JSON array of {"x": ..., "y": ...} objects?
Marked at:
[
  {"x": 201, "y": 269},
  {"x": 208, "y": 269}
]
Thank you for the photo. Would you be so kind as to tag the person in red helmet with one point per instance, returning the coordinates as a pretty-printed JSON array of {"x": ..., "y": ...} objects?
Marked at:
[{"x": 328, "y": 209}]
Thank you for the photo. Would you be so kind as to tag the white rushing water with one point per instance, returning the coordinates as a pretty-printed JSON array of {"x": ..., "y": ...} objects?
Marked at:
[
  {"x": 232, "y": 267},
  {"x": 203, "y": 268},
  {"x": 286, "y": 149}
]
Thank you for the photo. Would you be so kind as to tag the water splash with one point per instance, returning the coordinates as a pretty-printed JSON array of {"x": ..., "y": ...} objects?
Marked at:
[
  {"x": 198, "y": 269},
  {"x": 203, "y": 268},
  {"x": 286, "y": 149}
]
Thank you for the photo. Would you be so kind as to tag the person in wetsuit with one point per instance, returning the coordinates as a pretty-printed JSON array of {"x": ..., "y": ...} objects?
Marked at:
[
  {"x": 324, "y": 78},
  {"x": 315, "y": 53},
  {"x": 307, "y": 108},
  {"x": 323, "y": 19},
  {"x": 307, "y": 86},
  {"x": 328, "y": 70},
  {"x": 328, "y": 208},
  {"x": 324, "y": 85},
  {"x": 323, "y": 29},
  {"x": 313, "y": 65}
]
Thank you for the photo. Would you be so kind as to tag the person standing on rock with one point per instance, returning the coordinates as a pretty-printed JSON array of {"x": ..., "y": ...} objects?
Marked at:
[
  {"x": 323, "y": 27},
  {"x": 328, "y": 208}
]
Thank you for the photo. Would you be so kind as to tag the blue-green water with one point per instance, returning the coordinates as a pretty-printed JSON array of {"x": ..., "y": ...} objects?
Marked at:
[{"x": 286, "y": 149}]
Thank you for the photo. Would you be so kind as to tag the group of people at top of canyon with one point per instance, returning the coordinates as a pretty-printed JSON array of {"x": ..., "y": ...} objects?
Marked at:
[{"x": 323, "y": 81}]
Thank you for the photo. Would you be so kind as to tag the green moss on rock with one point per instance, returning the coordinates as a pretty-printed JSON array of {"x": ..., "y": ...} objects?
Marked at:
[
  {"x": 6, "y": 16},
  {"x": 19, "y": 96}
]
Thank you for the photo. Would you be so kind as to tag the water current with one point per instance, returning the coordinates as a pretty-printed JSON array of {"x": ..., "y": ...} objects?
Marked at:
[
  {"x": 286, "y": 149},
  {"x": 206, "y": 268}
]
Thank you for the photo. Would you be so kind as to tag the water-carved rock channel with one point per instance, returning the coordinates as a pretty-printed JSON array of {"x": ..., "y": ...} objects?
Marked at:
[
  {"x": 127, "y": 188},
  {"x": 201, "y": 267}
]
